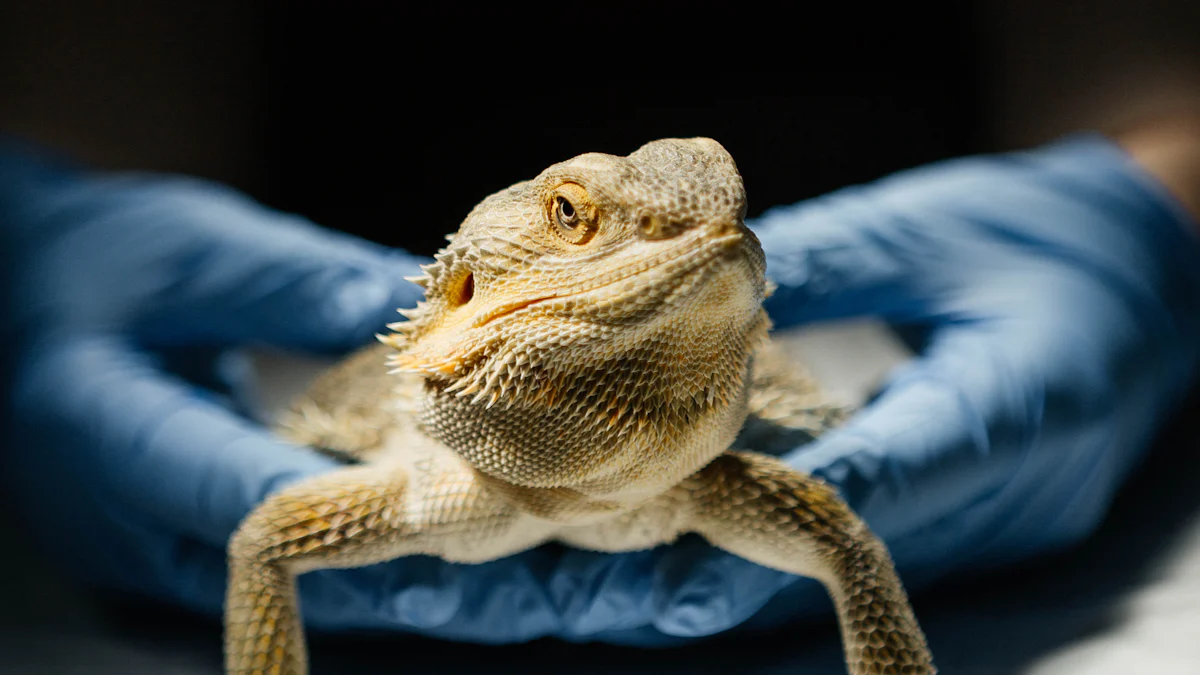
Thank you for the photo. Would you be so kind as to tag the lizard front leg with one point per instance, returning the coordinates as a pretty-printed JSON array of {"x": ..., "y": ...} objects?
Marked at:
[
  {"x": 758, "y": 508},
  {"x": 351, "y": 407},
  {"x": 352, "y": 517}
]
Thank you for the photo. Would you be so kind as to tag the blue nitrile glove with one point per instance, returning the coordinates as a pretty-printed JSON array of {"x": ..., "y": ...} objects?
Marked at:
[
  {"x": 1061, "y": 286},
  {"x": 1060, "y": 289},
  {"x": 122, "y": 450}
]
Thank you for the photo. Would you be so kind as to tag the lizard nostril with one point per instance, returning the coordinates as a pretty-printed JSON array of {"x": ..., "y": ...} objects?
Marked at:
[
  {"x": 656, "y": 227},
  {"x": 647, "y": 226}
]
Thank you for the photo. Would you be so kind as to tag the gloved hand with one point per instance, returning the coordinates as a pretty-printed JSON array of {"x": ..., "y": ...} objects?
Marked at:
[
  {"x": 1061, "y": 293},
  {"x": 125, "y": 451},
  {"x": 1059, "y": 290},
  {"x": 1061, "y": 287}
]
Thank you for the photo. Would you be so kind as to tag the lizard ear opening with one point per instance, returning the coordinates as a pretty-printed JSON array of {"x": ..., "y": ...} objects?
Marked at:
[
  {"x": 461, "y": 292},
  {"x": 447, "y": 347}
]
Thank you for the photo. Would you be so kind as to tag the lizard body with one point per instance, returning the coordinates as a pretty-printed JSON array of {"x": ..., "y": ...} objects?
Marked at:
[{"x": 579, "y": 370}]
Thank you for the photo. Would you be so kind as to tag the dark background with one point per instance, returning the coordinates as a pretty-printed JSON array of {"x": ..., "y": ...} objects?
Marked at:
[
  {"x": 395, "y": 127},
  {"x": 390, "y": 121}
]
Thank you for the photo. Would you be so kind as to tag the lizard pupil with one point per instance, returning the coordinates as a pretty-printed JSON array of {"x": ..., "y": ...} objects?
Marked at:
[{"x": 566, "y": 213}]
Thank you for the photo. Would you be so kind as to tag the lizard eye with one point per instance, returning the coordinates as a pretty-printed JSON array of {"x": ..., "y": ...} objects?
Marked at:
[
  {"x": 565, "y": 213},
  {"x": 572, "y": 214}
]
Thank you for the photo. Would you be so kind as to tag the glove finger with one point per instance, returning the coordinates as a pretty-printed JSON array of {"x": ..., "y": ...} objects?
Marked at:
[
  {"x": 900, "y": 247},
  {"x": 152, "y": 478},
  {"x": 104, "y": 415},
  {"x": 499, "y": 602},
  {"x": 841, "y": 255},
  {"x": 943, "y": 466},
  {"x": 905, "y": 461},
  {"x": 212, "y": 265},
  {"x": 278, "y": 278},
  {"x": 923, "y": 428},
  {"x": 960, "y": 462},
  {"x": 701, "y": 590}
]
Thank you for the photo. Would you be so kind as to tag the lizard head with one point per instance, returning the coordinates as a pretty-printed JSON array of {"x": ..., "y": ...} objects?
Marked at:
[{"x": 620, "y": 288}]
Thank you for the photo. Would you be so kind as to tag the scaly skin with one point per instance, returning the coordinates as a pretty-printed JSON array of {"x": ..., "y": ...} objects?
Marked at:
[{"x": 579, "y": 370}]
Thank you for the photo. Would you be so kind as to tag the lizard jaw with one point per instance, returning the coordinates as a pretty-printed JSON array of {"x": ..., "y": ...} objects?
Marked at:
[
  {"x": 727, "y": 245},
  {"x": 513, "y": 308}
]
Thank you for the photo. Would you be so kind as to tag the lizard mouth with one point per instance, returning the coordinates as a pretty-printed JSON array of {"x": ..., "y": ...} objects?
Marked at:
[
  {"x": 687, "y": 259},
  {"x": 515, "y": 307}
]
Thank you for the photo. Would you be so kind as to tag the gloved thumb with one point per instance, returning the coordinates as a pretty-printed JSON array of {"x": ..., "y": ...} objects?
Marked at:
[
  {"x": 946, "y": 467},
  {"x": 215, "y": 267},
  {"x": 104, "y": 419},
  {"x": 840, "y": 255},
  {"x": 259, "y": 275}
]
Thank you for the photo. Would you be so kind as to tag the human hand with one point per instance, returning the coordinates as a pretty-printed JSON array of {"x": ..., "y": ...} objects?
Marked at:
[
  {"x": 129, "y": 455},
  {"x": 1061, "y": 293},
  {"x": 129, "y": 452},
  {"x": 1060, "y": 289},
  {"x": 1055, "y": 350}
]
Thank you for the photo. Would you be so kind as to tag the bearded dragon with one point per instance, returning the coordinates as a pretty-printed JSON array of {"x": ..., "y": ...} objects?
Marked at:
[{"x": 579, "y": 370}]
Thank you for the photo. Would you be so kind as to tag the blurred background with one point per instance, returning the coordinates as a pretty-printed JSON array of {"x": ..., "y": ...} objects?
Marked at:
[{"x": 392, "y": 120}]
